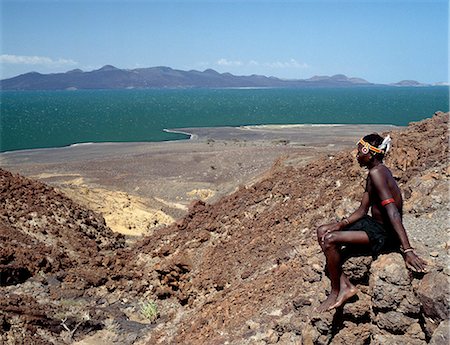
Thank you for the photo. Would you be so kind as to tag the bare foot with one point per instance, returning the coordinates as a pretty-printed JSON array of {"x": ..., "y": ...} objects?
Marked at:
[
  {"x": 344, "y": 295},
  {"x": 331, "y": 300}
]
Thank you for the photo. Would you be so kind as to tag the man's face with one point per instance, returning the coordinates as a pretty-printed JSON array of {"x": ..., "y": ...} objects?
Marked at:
[{"x": 363, "y": 158}]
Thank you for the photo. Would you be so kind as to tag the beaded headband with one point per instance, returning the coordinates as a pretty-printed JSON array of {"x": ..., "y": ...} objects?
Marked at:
[
  {"x": 383, "y": 148},
  {"x": 366, "y": 147}
]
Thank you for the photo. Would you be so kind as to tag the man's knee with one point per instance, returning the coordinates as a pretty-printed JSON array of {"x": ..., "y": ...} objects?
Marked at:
[
  {"x": 329, "y": 240},
  {"x": 321, "y": 230}
]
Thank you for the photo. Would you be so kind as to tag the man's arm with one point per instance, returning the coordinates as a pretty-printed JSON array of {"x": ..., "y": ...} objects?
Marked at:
[
  {"x": 358, "y": 214},
  {"x": 380, "y": 183}
]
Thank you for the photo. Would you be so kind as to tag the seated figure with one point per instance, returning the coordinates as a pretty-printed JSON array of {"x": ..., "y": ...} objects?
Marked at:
[{"x": 381, "y": 232}]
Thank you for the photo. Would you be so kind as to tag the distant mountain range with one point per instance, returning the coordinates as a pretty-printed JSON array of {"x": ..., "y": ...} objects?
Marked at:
[{"x": 110, "y": 77}]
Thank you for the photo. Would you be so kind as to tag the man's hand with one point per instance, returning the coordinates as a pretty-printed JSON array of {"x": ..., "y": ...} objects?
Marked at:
[
  {"x": 415, "y": 263},
  {"x": 333, "y": 227}
]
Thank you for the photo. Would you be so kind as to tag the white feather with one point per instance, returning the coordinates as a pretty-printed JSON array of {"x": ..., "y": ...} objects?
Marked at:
[{"x": 386, "y": 144}]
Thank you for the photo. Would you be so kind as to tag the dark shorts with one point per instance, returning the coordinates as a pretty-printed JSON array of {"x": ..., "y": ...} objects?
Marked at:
[{"x": 381, "y": 239}]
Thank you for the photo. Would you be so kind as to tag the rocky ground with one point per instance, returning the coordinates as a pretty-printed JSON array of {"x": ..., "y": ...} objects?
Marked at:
[{"x": 243, "y": 270}]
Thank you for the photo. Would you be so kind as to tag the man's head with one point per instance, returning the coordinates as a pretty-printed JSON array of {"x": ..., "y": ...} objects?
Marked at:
[{"x": 372, "y": 147}]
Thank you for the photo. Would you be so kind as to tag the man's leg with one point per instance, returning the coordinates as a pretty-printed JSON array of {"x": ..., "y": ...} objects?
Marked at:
[
  {"x": 341, "y": 288},
  {"x": 321, "y": 232}
]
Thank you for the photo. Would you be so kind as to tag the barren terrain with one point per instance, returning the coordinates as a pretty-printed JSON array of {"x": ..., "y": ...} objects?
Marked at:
[{"x": 241, "y": 269}]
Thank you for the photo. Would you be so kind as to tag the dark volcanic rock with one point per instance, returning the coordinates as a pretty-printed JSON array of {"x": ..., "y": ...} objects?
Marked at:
[
  {"x": 434, "y": 297},
  {"x": 262, "y": 254},
  {"x": 43, "y": 233}
]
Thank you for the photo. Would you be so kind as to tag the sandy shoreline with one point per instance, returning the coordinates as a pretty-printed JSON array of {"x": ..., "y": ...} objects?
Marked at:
[{"x": 139, "y": 186}]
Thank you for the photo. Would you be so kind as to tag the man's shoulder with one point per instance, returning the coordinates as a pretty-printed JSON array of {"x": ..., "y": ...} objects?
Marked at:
[{"x": 379, "y": 170}]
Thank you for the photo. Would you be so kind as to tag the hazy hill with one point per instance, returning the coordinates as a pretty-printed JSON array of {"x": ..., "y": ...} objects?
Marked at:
[
  {"x": 110, "y": 77},
  {"x": 408, "y": 83}
]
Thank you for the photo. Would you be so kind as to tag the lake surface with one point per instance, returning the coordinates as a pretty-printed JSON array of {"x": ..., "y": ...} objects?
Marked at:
[{"x": 40, "y": 119}]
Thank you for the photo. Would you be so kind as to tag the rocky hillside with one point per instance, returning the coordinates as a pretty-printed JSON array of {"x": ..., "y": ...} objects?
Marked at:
[
  {"x": 245, "y": 270},
  {"x": 51, "y": 249}
]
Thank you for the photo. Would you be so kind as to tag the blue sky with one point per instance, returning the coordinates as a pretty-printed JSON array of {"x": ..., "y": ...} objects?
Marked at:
[{"x": 381, "y": 41}]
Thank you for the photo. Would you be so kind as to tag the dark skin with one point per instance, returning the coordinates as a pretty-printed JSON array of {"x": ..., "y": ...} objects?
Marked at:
[{"x": 380, "y": 185}]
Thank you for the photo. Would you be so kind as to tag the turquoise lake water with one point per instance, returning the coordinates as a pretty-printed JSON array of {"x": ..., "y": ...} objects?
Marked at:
[{"x": 40, "y": 119}]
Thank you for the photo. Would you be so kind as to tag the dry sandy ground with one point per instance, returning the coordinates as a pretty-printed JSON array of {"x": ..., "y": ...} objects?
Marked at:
[{"x": 140, "y": 186}]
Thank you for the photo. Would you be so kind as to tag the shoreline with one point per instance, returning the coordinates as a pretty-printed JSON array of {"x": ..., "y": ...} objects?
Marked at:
[
  {"x": 175, "y": 131},
  {"x": 220, "y": 132}
]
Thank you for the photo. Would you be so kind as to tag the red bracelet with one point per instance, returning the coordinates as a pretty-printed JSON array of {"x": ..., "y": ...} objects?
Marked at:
[{"x": 387, "y": 201}]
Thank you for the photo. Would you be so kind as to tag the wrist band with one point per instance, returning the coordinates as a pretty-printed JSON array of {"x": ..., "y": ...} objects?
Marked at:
[{"x": 408, "y": 250}]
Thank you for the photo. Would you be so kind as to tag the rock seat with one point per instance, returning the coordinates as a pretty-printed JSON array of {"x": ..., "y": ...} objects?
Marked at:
[{"x": 394, "y": 306}]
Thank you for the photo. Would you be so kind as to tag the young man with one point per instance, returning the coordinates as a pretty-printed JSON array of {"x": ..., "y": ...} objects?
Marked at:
[{"x": 382, "y": 232}]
